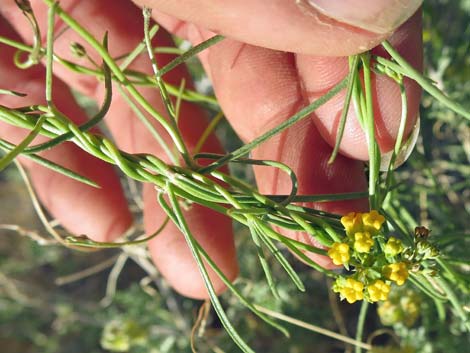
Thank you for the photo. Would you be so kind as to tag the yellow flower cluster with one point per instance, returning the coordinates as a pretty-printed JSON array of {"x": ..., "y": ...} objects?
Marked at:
[
  {"x": 350, "y": 289},
  {"x": 357, "y": 250},
  {"x": 339, "y": 253},
  {"x": 361, "y": 227},
  {"x": 378, "y": 290},
  {"x": 397, "y": 272}
]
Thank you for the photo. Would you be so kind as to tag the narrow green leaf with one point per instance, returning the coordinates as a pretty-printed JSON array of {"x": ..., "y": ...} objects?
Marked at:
[
  {"x": 190, "y": 53},
  {"x": 22, "y": 145},
  {"x": 180, "y": 221},
  {"x": 278, "y": 129}
]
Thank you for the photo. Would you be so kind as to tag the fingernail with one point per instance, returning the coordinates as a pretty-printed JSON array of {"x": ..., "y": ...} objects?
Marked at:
[
  {"x": 379, "y": 16},
  {"x": 405, "y": 151}
]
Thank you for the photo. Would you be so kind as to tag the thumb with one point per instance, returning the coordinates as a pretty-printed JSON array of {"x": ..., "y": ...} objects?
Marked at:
[
  {"x": 378, "y": 16},
  {"x": 313, "y": 27}
]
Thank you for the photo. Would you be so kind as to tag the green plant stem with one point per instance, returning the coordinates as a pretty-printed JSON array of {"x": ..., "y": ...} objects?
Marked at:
[
  {"x": 85, "y": 126},
  {"x": 278, "y": 129},
  {"x": 360, "y": 324},
  {"x": 49, "y": 52},
  {"x": 175, "y": 135},
  {"x": 170, "y": 109},
  {"x": 237, "y": 293},
  {"x": 262, "y": 260},
  {"x": 138, "y": 49},
  {"x": 423, "y": 284},
  {"x": 178, "y": 218},
  {"x": 459, "y": 308},
  {"x": 400, "y": 135},
  {"x": 409, "y": 71},
  {"x": 158, "y": 137},
  {"x": 315, "y": 328},
  {"x": 352, "y": 77},
  {"x": 190, "y": 53},
  {"x": 18, "y": 149},
  {"x": 374, "y": 153},
  {"x": 52, "y": 166},
  {"x": 90, "y": 243},
  {"x": 207, "y": 131},
  {"x": 136, "y": 78},
  {"x": 35, "y": 54}
]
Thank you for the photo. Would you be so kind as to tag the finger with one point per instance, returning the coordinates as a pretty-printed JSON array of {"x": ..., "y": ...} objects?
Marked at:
[
  {"x": 102, "y": 213},
  {"x": 315, "y": 27},
  {"x": 319, "y": 74},
  {"x": 132, "y": 136}
]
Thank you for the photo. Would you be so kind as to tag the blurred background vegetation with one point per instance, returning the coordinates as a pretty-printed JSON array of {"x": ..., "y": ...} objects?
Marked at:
[{"x": 53, "y": 299}]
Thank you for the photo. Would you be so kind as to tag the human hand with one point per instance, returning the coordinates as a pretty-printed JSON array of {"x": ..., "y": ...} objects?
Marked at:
[{"x": 257, "y": 88}]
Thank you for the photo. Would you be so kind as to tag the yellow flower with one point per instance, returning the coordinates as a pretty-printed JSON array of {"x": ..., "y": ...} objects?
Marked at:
[
  {"x": 352, "y": 222},
  {"x": 373, "y": 221},
  {"x": 363, "y": 242},
  {"x": 351, "y": 290},
  {"x": 393, "y": 247},
  {"x": 397, "y": 272},
  {"x": 378, "y": 291},
  {"x": 339, "y": 253}
]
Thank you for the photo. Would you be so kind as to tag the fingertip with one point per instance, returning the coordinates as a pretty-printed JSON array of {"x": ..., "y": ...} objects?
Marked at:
[
  {"x": 279, "y": 25},
  {"x": 321, "y": 74}
]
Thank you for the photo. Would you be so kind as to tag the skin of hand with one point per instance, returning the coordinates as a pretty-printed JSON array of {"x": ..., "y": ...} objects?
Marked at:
[{"x": 279, "y": 56}]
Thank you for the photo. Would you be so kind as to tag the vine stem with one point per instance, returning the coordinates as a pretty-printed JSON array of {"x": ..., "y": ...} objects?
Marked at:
[{"x": 360, "y": 324}]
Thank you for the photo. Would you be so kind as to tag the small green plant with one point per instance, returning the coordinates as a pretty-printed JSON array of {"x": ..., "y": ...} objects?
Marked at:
[{"x": 377, "y": 249}]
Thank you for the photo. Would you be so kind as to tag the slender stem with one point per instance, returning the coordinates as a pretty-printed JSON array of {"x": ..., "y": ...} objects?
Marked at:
[
  {"x": 50, "y": 52},
  {"x": 314, "y": 328},
  {"x": 399, "y": 140},
  {"x": 374, "y": 153},
  {"x": 134, "y": 77},
  {"x": 278, "y": 129},
  {"x": 158, "y": 137},
  {"x": 353, "y": 68},
  {"x": 208, "y": 130},
  {"x": 455, "y": 302},
  {"x": 427, "y": 85},
  {"x": 191, "y": 53},
  {"x": 178, "y": 218},
  {"x": 164, "y": 93},
  {"x": 21, "y": 146},
  {"x": 90, "y": 243},
  {"x": 35, "y": 54},
  {"x": 82, "y": 32},
  {"x": 138, "y": 49},
  {"x": 6, "y": 146},
  {"x": 360, "y": 324}
]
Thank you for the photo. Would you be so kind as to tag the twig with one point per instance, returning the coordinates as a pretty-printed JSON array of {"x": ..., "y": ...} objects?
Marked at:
[
  {"x": 60, "y": 281},
  {"x": 314, "y": 328}
]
